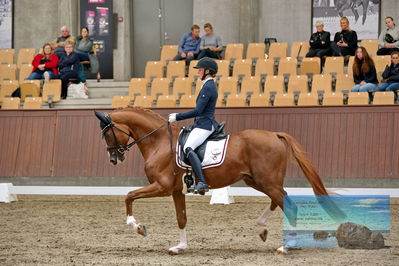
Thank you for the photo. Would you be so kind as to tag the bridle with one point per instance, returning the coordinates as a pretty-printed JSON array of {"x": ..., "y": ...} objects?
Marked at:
[{"x": 120, "y": 147}]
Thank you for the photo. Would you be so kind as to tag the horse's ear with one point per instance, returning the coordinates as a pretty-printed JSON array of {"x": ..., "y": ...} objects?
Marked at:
[{"x": 101, "y": 117}]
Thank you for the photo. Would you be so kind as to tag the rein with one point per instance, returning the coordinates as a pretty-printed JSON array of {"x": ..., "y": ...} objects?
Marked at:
[{"x": 122, "y": 148}]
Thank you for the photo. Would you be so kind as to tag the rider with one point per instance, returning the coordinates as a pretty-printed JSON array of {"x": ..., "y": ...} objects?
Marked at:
[{"x": 204, "y": 114}]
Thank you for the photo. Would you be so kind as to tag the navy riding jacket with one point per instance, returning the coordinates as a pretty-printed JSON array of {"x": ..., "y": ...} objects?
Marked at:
[{"x": 204, "y": 112}]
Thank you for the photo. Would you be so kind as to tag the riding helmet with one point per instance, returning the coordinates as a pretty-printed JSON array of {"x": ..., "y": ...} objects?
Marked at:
[{"x": 207, "y": 63}]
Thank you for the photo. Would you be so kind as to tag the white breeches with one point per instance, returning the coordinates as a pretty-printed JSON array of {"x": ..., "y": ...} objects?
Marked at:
[{"x": 197, "y": 137}]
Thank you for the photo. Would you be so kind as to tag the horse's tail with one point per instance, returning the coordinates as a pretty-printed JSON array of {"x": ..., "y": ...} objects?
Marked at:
[{"x": 297, "y": 152}]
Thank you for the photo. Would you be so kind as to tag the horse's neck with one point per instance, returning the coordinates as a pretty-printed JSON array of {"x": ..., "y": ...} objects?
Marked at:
[{"x": 141, "y": 123}]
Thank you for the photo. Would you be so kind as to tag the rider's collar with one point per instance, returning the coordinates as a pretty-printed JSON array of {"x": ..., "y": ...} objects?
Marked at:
[{"x": 203, "y": 82}]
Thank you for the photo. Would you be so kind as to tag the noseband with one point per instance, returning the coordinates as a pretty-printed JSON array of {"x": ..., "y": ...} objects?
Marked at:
[{"x": 119, "y": 147}]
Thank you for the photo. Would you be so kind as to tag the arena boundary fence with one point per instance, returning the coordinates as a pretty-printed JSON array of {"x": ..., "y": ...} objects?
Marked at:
[
  {"x": 8, "y": 192},
  {"x": 343, "y": 142}
]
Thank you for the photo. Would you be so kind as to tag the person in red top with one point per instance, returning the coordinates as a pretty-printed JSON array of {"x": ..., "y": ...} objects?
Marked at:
[{"x": 46, "y": 61}]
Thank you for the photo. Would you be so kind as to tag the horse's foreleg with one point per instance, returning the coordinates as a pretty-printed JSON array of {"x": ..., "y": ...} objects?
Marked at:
[
  {"x": 153, "y": 190},
  {"x": 180, "y": 206},
  {"x": 356, "y": 14},
  {"x": 365, "y": 6}
]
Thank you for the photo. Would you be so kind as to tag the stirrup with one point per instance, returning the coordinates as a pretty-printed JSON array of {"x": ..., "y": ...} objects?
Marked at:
[{"x": 201, "y": 188}]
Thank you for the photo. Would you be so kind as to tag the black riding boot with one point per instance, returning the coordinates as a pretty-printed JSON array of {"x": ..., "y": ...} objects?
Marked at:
[{"x": 202, "y": 186}]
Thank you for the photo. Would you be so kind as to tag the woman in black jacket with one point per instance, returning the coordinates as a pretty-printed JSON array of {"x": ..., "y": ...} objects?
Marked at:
[
  {"x": 68, "y": 68},
  {"x": 345, "y": 41},
  {"x": 364, "y": 73},
  {"x": 319, "y": 42},
  {"x": 391, "y": 74}
]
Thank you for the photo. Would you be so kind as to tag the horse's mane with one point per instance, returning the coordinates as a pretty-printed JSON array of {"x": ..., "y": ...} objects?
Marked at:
[{"x": 144, "y": 111}]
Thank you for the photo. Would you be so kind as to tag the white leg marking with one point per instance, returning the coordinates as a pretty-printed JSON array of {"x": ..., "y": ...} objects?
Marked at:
[
  {"x": 182, "y": 245},
  {"x": 131, "y": 221},
  {"x": 263, "y": 218},
  {"x": 282, "y": 251}
]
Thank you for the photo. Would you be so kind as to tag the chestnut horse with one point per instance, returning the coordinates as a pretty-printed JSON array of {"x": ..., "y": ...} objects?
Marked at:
[{"x": 256, "y": 156}]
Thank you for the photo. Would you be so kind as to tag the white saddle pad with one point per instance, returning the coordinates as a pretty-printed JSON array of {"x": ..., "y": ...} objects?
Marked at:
[{"x": 215, "y": 152}]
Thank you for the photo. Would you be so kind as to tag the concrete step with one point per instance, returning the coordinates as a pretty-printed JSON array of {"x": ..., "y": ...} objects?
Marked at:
[
  {"x": 107, "y": 88},
  {"x": 84, "y": 103},
  {"x": 97, "y": 93},
  {"x": 107, "y": 84}
]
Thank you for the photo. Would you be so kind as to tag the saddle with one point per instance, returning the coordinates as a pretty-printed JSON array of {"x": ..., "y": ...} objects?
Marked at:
[{"x": 217, "y": 135}]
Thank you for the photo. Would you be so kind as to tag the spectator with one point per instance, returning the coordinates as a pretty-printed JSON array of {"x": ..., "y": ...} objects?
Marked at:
[
  {"x": 364, "y": 73},
  {"x": 189, "y": 45},
  {"x": 391, "y": 74},
  {"x": 46, "y": 61},
  {"x": 319, "y": 42},
  {"x": 211, "y": 44},
  {"x": 345, "y": 41},
  {"x": 84, "y": 45},
  {"x": 84, "y": 49},
  {"x": 59, "y": 43},
  {"x": 69, "y": 68},
  {"x": 389, "y": 38}
]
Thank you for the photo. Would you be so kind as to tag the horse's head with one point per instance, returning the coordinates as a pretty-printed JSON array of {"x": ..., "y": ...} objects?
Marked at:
[{"x": 116, "y": 136}]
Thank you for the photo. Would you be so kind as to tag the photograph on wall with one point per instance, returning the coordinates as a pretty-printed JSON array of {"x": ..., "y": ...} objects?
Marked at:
[
  {"x": 363, "y": 16},
  {"x": 5, "y": 24}
]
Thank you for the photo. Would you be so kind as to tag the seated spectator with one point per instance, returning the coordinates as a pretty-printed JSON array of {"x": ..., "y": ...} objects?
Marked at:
[
  {"x": 59, "y": 43},
  {"x": 189, "y": 45},
  {"x": 364, "y": 73},
  {"x": 84, "y": 49},
  {"x": 211, "y": 44},
  {"x": 46, "y": 61},
  {"x": 391, "y": 74},
  {"x": 319, "y": 42},
  {"x": 345, "y": 41},
  {"x": 83, "y": 45},
  {"x": 389, "y": 38},
  {"x": 69, "y": 68}
]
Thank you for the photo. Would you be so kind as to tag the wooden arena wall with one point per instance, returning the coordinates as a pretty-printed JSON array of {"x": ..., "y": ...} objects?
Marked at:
[{"x": 343, "y": 142}]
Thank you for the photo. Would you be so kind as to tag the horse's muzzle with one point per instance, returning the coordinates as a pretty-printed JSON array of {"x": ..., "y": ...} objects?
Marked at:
[{"x": 115, "y": 156}]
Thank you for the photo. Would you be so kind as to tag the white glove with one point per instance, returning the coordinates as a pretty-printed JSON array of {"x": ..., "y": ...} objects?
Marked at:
[{"x": 172, "y": 117}]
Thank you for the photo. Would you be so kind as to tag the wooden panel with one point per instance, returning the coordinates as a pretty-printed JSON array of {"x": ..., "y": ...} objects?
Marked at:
[
  {"x": 343, "y": 142},
  {"x": 36, "y": 145},
  {"x": 10, "y": 134}
]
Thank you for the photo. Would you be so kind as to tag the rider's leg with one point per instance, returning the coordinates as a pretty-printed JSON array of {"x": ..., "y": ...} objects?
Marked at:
[{"x": 195, "y": 139}]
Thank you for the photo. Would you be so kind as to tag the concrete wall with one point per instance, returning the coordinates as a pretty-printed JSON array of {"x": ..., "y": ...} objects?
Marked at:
[
  {"x": 285, "y": 20},
  {"x": 389, "y": 8},
  {"x": 122, "y": 55},
  {"x": 36, "y": 23},
  {"x": 222, "y": 14}
]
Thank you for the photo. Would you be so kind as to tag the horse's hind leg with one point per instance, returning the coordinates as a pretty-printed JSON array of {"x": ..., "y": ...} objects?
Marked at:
[
  {"x": 261, "y": 221},
  {"x": 266, "y": 213}
]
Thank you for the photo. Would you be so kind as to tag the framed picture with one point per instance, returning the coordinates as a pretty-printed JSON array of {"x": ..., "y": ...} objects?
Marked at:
[
  {"x": 6, "y": 21},
  {"x": 363, "y": 16}
]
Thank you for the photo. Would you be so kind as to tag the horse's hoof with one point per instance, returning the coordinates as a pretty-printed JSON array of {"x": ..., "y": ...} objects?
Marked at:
[
  {"x": 176, "y": 250},
  {"x": 142, "y": 230},
  {"x": 263, "y": 235},
  {"x": 282, "y": 251}
]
